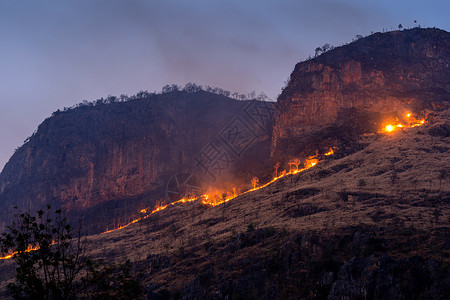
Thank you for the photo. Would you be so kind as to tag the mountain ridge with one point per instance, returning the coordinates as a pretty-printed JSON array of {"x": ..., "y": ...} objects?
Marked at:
[{"x": 368, "y": 221}]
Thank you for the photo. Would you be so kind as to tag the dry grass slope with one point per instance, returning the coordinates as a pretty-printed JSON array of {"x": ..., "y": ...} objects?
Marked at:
[{"x": 397, "y": 189}]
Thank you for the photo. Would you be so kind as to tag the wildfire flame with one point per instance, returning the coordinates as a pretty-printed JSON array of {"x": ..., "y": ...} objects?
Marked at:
[
  {"x": 330, "y": 152},
  {"x": 156, "y": 209},
  {"x": 410, "y": 121},
  {"x": 213, "y": 198},
  {"x": 29, "y": 249},
  {"x": 217, "y": 197}
]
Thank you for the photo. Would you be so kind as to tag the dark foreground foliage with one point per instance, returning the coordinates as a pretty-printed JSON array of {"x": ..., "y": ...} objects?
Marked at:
[{"x": 52, "y": 262}]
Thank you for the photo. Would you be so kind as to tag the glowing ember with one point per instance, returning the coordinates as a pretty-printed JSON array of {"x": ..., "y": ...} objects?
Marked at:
[
  {"x": 421, "y": 122},
  {"x": 330, "y": 152}
]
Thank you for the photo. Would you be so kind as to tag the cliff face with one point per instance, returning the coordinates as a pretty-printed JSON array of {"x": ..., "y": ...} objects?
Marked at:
[
  {"x": 350, "y": 89},
  {"x": 108, "y": 161}
]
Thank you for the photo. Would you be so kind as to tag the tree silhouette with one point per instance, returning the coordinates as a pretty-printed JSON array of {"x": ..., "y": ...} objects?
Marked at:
[
  {"x": 255, "y": 182},
  {"x": 296, "y": 162},
  {"x": 192, "y": 87},
  {"x": 170, "y": 88},
  {"x": 326, "y": 47},
  {"x": 262, "y": 97},
  {"x": 52, "y": 262},
  {"x": 49, "y": 258},
  {"x": 317, "y": 51}
]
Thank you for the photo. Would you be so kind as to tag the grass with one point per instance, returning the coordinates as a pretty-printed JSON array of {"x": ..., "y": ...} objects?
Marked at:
[{"x": 391, "y": 189}]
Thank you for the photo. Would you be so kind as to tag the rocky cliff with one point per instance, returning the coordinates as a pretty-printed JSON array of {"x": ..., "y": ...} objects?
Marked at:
[
  {"x": 372, "y": 224},
  {"x": 108, "y": 161},
  {"x": 350, "y": 89}
]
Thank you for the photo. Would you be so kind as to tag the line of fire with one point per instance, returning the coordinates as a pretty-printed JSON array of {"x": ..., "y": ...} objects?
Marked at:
[{"x": 216, "y": 197}]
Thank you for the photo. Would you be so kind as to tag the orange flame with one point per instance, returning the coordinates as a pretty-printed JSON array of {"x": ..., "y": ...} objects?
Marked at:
[
  {"x": 156, "y": 209},
  {"x": 216, "y": 197},
  {"x": 213, "y": 198},
  {"x": 410, "y": 121},
  {"x": 330, "y": 152},
  {"x": 29, "y": 249}
]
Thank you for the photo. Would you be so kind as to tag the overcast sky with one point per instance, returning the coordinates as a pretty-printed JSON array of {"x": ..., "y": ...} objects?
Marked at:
[{"x": 57, "y": 53}]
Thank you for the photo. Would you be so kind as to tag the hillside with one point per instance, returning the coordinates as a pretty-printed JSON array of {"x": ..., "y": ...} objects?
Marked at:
[
  {"x": 371, "y": 224},
  {"x": 365, "y": 216},
  {"x": 324, "y": 220},
  {"x": 108, "y": 161}
]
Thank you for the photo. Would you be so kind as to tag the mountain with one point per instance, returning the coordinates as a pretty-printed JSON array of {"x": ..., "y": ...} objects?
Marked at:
[
  {"x": 365, "y": 216},
  {"x": 108, "y": 161},
  {"x": 373, "y": 224},
  {"x": 352, "y": 89}
]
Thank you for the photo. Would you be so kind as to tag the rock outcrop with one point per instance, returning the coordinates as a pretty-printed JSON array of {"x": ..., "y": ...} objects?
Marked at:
[
  {"x": 349, "y": 90},
  {"x": 108, "y": 161}
]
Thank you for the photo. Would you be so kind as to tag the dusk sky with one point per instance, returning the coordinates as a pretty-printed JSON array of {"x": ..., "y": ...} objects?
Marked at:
[{"x": 57, "y": 53}]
